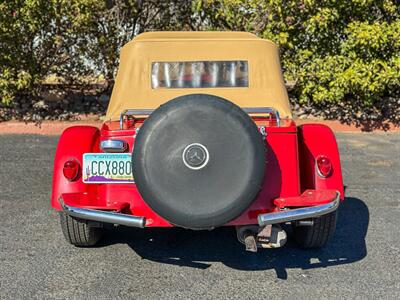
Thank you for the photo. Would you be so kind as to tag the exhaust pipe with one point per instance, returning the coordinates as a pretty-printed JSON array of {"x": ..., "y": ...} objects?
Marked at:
[{"x": 103, "y": 216}]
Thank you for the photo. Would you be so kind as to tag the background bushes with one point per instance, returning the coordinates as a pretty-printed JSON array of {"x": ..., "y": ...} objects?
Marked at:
[{"x": 341, "y": 59}]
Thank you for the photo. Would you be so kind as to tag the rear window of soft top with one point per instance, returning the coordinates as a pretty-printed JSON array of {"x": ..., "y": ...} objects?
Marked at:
[{"x": 199, "y": 74}]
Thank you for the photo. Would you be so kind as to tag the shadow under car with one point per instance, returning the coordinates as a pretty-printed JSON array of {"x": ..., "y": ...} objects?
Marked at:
[{"x": 198, "y": 249}]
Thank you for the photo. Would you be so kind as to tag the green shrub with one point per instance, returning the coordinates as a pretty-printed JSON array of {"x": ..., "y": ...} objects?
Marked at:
[
  {"x": 333, "y": 52},
  {"x": 37, "y": 38},
  {"x": 74, "y": 39}
]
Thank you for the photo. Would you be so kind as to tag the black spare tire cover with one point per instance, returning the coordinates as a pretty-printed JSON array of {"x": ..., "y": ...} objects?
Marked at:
[{"x": 198, "y": 161}]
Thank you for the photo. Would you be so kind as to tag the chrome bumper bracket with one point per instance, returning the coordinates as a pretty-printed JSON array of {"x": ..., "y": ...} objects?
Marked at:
[
  {"x": 299, "y": 213},
  {"x": 103, "y": 216}
]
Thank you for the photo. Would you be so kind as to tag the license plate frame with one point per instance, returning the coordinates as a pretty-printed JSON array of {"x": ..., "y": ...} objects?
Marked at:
[{"x": 107, "y": 168}]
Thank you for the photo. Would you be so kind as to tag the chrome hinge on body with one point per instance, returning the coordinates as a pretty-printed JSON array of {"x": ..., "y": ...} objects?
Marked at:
[
  {"x": 136, "y": 132},
  {"x": 263, "y": 131}
]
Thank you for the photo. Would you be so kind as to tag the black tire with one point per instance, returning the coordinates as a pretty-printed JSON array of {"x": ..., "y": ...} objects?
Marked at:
[
  {"x": 198, "y": 161},
  {"x": 317, "y": 235},
  {"x": 77, "y": 232}
]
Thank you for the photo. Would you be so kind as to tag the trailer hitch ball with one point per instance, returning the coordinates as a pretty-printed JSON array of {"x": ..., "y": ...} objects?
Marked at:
[
  {"x": 254, "y": 237},
  {"x": 272, "y": 236}
]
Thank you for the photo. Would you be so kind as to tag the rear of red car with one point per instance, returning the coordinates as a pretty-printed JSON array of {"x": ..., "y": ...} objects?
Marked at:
[
  {"x": 301, "y": 171},
  {"x": 202, "y": 159}
]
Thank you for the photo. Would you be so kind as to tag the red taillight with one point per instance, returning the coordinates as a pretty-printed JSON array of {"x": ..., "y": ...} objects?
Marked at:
[
  {"x": 324, "y": 166},
  {"x": 71, "y": 170}
]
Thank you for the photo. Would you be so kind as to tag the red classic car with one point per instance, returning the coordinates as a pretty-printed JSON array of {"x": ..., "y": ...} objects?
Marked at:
[{"x": 199, "y": 134}]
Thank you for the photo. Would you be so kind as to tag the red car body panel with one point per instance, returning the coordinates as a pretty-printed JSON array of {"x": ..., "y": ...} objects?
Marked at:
[
  {"x": 290, "y": 171},
  {"x": 315, "y": 140},
  {"x": 74, "y": 141}
]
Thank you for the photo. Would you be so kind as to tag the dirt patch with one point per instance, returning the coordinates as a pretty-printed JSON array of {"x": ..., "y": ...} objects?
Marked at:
[
  {"x": 44, "y": 128},
  {"x": 338, "y": 126}
]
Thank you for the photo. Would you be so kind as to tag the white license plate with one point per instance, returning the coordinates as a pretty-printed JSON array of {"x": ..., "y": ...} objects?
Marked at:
[{"x": 107, "y": 168}]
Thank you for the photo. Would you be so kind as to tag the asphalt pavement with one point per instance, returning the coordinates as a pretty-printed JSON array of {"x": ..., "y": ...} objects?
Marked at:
[{"x": 362, "y": 261}]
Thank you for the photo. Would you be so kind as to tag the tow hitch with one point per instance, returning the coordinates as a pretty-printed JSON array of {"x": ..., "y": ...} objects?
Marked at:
[{"x": 254, "y": 237}]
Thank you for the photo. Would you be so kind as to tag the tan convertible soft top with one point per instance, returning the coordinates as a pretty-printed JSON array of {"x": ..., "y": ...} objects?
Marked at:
[{"x": 133, "y": 87}]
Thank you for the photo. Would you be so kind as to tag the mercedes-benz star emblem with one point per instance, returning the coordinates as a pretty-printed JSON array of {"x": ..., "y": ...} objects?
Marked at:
[{"x": 195, "y": 156}]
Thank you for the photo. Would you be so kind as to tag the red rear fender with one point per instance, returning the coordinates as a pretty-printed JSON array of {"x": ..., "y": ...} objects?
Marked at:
[
  {"x": 318, "y": 140},
  {"x": 73, "y": 143}
]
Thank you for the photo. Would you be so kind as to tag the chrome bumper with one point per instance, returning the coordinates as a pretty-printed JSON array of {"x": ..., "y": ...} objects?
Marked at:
[
  {"x": 103, "y": 216},
  {"x": 299, "y": 213}
]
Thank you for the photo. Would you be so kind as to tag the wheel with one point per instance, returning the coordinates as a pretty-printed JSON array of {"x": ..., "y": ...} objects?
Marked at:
[
  {"x": 317, "y": 235},
  {"x": 199, "y": 161},
  {"x": 77, "y": 232}
]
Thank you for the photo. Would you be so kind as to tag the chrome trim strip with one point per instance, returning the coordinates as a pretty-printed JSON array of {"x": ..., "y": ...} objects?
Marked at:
[
  {"x": 249, "y": 110},
  {"x": 132, "y": 112},
  {"x": 299, "y": 213},
  {"x": 261, "y": 110},
  {"x": 103, "y": 216},
  {"x": 113, "y": 146}
]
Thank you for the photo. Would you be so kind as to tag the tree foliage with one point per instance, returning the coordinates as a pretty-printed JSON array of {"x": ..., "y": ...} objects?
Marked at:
[
  {"x": 334, "y": 52},
  {"x": 74, "y": 38}
]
